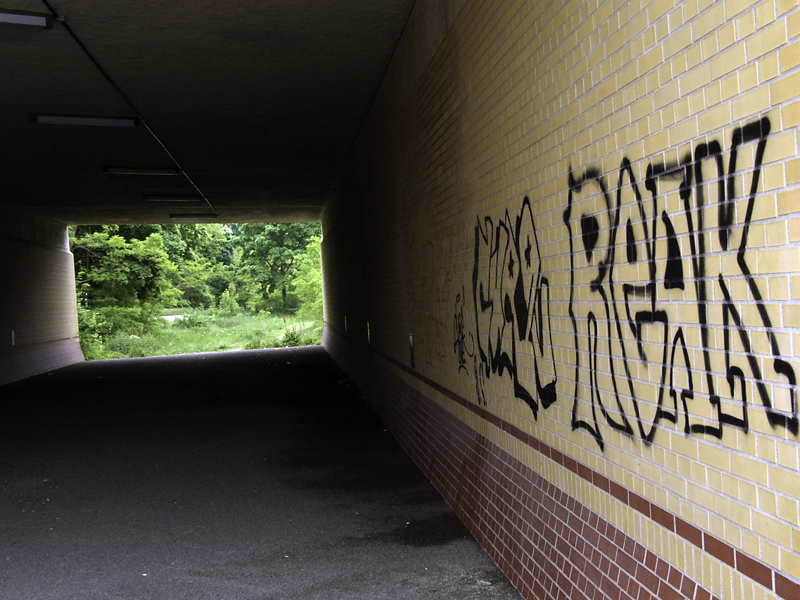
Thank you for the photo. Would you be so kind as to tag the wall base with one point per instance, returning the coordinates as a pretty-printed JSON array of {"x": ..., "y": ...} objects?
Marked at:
[
  {"x": 28, "y": 362},
  {"x": 549, "y": 544}
]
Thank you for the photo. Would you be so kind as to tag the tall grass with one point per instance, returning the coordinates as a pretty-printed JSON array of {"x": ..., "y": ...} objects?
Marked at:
[{"x": 209, "y": 332}]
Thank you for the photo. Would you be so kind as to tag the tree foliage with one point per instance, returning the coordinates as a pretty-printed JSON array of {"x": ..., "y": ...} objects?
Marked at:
[
  {"x": 127, "y": 274},
  {"x": 308, "y": 281},
  {"x": 271, "y": 255}
]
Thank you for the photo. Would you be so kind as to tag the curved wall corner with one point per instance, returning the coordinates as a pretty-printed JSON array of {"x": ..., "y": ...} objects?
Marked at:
[{"x": 38, "y": 307}]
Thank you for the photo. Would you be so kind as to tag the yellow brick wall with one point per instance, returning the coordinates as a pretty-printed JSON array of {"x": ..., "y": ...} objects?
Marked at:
[{"x": 586, "y": 215}]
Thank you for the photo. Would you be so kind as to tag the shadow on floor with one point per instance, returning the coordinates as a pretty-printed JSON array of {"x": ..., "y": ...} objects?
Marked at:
[{"x": 260, "y": 474}]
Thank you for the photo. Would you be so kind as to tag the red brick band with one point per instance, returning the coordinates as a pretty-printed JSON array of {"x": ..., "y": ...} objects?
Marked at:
[{"x": 720, "y": 549}]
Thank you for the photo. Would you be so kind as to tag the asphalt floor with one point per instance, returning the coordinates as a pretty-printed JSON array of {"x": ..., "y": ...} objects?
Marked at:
[{"x": 240, "y": 475}]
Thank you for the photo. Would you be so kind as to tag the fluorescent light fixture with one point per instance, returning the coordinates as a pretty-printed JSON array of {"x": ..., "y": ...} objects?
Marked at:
[
  {"x": 139, "y": 171},
  {"x": 172, "y": 198},
  {"x": 18, "y": 17},
  {"x": 193, "y": 216},
  {"x": 86, "y": 121}
]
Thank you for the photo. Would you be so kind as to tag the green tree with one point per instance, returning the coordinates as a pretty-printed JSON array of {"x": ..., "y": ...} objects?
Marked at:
[
  {"x": 308, "y": 281},
  {"x": 271, "y": 253},
  {"x": 126, "y": 274},
  {"x": 127, "y": 281},
  {"x": 197, "y": 250},
  {"x": 227, "y": 303}
]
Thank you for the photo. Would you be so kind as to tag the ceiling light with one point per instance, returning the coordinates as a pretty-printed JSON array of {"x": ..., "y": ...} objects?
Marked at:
[
  {"x": 172, "y": 198},
  {"x": 15, "y": 17},
  {"x": 87, "y": 121},
  {"x": 193, "y": 216},
  {"x": 139, "y": 171}
]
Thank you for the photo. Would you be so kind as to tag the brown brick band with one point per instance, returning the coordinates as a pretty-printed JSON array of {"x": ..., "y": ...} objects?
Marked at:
[{"x": 521, "y": 522}]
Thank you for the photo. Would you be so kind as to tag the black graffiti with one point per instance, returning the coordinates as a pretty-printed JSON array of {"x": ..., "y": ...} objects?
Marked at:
[
  {"x": 511, "y": 305},
  {"x": 463, "y": 352},
  {"x": 633, "y": 251},
  {"x": 711, "y": 298}
]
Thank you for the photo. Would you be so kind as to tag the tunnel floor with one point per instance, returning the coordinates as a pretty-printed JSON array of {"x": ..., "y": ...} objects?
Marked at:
[{"x": 241, "y": 475}]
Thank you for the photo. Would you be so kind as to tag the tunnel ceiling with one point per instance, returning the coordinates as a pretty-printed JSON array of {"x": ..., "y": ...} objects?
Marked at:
[{"x": 258, "y": 102}]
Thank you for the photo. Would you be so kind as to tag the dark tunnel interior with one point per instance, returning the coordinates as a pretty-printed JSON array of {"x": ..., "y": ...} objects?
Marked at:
[{"x": 257, "y": 474}]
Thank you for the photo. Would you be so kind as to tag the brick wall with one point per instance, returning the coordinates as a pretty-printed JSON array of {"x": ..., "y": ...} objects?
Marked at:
[
  {"x": 38, "y": 320},
  {"x": 567, "y": 254}
]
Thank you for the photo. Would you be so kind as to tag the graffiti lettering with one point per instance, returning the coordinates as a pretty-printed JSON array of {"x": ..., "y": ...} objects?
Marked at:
[
  {"x": 511, "y": 300},
  {"x": 635, "y": 252},
  {"x": 460, "y": 343}
]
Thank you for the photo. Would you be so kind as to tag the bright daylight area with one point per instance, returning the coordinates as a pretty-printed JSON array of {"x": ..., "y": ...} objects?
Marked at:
[{"x": 150, "y": 290}]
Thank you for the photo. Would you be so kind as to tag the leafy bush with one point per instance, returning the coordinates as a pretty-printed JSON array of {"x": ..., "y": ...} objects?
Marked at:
[
  {"x": 228, "y": 304},
  {"x": 97, "y": 327},
  {"x": 257, "y": 343},
  {"x": 191, "y": 320},
  {"x": 299, "y": 336},
  {"x": 308, "y": 281},
  {"x": 92, "y": 330},
  {"x": 132, "y": 346},
  {"x": 130, "y": 320},
  {"x": 278, "y": 306},
  {"x": 291, "y": 338}
]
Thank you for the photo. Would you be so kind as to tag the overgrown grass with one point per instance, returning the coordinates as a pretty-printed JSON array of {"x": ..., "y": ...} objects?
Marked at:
[{"x": 209, "y": 332}]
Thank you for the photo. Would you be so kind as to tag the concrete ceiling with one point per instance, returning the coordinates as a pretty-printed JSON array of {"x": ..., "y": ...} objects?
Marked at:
[{"x": 257, "y": 101}]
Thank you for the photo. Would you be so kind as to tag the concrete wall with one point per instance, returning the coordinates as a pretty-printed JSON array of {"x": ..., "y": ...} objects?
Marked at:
[
  {"x": 38, "y": 313},
  {"x": 565, "y": 268}
]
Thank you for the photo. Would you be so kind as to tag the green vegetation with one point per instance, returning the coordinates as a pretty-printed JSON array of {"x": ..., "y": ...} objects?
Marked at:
[
  {"x": 209, "y": 331},
  {"x": 234, "y": 286}
]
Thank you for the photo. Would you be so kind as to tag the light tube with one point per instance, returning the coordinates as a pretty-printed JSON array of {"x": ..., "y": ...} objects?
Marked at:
[
  {"x": 139, "y": 171},
  {"x": 13, "y": 17},
  {"x": 190, "y": 216},
  {"x": 87, "y": 121},
  {"x": 172, "y": 198}
]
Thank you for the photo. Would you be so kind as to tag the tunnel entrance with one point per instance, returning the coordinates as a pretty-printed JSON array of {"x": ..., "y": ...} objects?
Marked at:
[{"x": 163, "y": 289}]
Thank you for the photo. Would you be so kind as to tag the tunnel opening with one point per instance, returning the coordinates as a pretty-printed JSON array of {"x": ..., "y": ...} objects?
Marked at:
[{"x": 183, "y": 288}]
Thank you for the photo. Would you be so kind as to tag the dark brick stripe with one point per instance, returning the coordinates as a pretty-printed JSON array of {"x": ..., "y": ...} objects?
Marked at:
[
  {"x": 551, "y": 545},
  {"x": 441, "y": 475}
]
